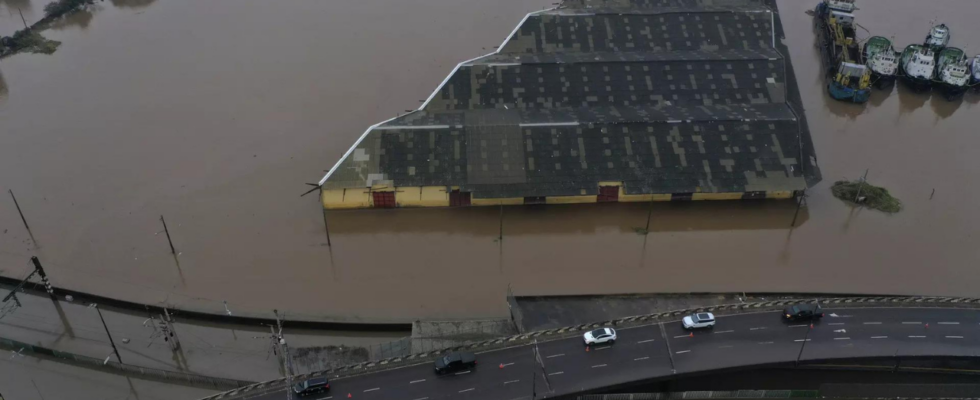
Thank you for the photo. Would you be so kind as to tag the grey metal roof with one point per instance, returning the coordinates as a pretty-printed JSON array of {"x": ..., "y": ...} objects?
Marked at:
[{"x": 667, "y": 96}]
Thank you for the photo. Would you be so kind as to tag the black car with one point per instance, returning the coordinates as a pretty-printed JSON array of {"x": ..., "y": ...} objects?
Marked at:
[
  {"x": 455, "y": 362},
  {"x": 311, "y": 386},
  {"x": 803, "y": 312}
]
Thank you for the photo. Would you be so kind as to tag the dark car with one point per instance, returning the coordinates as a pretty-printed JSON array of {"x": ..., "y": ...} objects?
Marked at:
[
  {"x": 455, "y": 362},
  {"x": 311, "y": 386},
  {"x": 803, "y": 312}
]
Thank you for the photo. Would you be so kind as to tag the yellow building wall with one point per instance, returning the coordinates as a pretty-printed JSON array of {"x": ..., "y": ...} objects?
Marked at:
[
  {"x": 425, "y": 196},
  {"x": 346, "y": 198},
  {"x": 716, "y": 196},
  {"x": 514, "y": 201},
  {"x": 779, "y": 194},
  {"x": 570, "y": 199}
]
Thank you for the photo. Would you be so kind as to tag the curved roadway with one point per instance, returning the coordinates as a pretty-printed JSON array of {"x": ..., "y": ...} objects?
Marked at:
[{"x": 646, "y": 352}]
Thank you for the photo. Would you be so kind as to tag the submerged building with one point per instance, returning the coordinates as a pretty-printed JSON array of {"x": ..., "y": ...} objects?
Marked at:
[{"x": 599, "y": 101}]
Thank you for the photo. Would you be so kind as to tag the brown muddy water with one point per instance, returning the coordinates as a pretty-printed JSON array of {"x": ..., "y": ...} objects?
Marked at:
[{"x": 214, "y": 114}]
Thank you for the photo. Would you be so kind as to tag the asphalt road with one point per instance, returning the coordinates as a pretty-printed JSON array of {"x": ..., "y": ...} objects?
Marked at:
[{"x": 662, "y": 350}]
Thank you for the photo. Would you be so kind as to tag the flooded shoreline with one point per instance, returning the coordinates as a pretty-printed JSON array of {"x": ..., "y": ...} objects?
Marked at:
[{"x": 218, "y": 124}]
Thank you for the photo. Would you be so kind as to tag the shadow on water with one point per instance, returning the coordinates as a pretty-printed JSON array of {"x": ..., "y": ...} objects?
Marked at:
[
  {"x": 79, "y": 19},
  {"x": 878, "y": 96},
  {"x": 909, "y": 100},
  {"x": 971, "y": 97},
  {"x": 132, "y": 3},
  {"x": 944, "y": 108},
  {"x": 3, "y": 89},
  {"x": 24, "y": 5},
  {"x": 572, "y": 219}
]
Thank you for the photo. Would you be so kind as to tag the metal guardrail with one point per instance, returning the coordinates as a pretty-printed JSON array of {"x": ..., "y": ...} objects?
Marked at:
[
  {"x": 703, "y": 395},
  {"x": 646, "y": 319},
  {"x": 117, "y": 368}
]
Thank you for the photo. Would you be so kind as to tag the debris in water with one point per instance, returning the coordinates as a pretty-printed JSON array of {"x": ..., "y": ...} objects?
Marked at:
[{"x": 866, "y": 194}]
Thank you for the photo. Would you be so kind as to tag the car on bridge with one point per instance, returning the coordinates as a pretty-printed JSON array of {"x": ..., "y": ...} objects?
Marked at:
[
  {"x": 699, "y": 321},
  {"x": 311, "y": 386},
  {"x": 803, "y": 312},
  {"x": 600, "y": 336},
  {"x": 455, "y": 362}
]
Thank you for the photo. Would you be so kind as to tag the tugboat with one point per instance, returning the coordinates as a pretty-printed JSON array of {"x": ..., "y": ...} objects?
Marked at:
[
  {"x": 975, "y": 73},
  {"x": 917, "y": 66},
  {"x": 848, "y": 80},
  {"x": 952, "y": 72},
  {"x": 880, "y": 57},
  {"x": 938, "y": 37}
]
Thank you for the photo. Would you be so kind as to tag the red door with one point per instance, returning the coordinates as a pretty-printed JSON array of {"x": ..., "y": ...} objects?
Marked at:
[
  {"x": 384, "y": 199},
  {"x": 608, "y": 194},
  {"x": 459, "y": 199}
]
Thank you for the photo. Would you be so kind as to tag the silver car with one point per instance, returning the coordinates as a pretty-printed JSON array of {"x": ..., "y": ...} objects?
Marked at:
[{"x": 699, "y": 321}]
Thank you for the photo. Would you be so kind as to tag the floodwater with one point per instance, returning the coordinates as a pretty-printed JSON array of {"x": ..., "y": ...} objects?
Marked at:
[{"x": 215, "y": 115}]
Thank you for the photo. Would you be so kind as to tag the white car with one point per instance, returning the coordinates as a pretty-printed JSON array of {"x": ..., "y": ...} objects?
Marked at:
[
  {"x": 699, "y": 320},
  {"x": 600, "y": 336}
]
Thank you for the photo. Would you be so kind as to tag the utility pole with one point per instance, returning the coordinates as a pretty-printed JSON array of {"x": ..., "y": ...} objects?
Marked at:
[
  {"x": 22, "y": 19},
  {"x": 24, "y": 220},
  {"x": 44, "y": 278},
  {"x": 284, "y": 349},
  {"x": 113, "y": 343},
  {"x": 165, "y": 230}
]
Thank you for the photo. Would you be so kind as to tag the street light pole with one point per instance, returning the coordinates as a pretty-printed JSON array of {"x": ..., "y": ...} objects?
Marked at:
[{"x": 114, "y": 349}]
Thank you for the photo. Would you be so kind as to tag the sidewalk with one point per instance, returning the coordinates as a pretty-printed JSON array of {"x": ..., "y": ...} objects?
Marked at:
[{"x": 220, "y": 350}]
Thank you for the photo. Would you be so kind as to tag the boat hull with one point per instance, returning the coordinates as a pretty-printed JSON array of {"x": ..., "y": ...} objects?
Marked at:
[
  {"x": 844, "y": 93},
  {"x": 952, "y": 92},
  {"x": 882, "y": 81},
  {"x": 917, "y": 84}
]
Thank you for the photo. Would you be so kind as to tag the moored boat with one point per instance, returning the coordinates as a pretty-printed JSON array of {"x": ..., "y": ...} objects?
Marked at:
[
  {"x": 952, "y": 72},
  {"x": 852, "y": 83},
  {"x": 880, "y": 57},
  {"x": 938, "y": 37},
  {"x": 916, "y": 67},
  {"x": 975, "y": 72}
]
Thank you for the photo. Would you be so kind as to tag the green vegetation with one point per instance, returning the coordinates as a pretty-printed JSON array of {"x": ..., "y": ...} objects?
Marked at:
[
  {"x": 866, "y": 194},
  {"x": 29, "y": 40},
  {"x": 56, "y": 9}
]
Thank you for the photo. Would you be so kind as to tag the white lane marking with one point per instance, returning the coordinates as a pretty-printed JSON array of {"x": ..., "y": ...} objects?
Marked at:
[
  {"x": 917, "y": 337},
  {"x": 463, "y": 373},
  {"x": 724, "y": 332},
  {"x": 325, "y": 398},
  {"x": 371, "y": 390},
  {"x": 954, "y": 337},
  {"x": 508, "y": 364},
  {"x": 678, "y": 337},
  {"x": 645, "y": 341},
  {"x": 842, "y": 338},
  {"x": 836, "y": 323},
  {"x": 513, "y": 381},
  {"x": 602, "y": 348},
  {"x": 911, "y": 323},
  {"x": 641, "y": 358},
  {"x": 683, "y": 351},
  {"x": 879, "y": 337},
  {"x": 467, "y": 390},
  {"x": 798, "y": 326},
  {"x": 599, "y": 366},
  {"x": 420, "y": 380},
  {"x": 766, "y": 342},
  {"x": 756, "y": 329},
  {"x": 555, "y": 355},
  {"x": 725, "y": 347},
  {"x": 422, "y": 398},
  {"x": 556, "y": 373},
  {"x": 802, "y": 340},
  {"x": 949, "y": 323},
  {"x": 872, "y": 323}
]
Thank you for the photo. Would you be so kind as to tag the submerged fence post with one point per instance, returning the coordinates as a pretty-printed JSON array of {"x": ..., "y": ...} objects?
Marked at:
[{"x": 22, "y": 217}]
